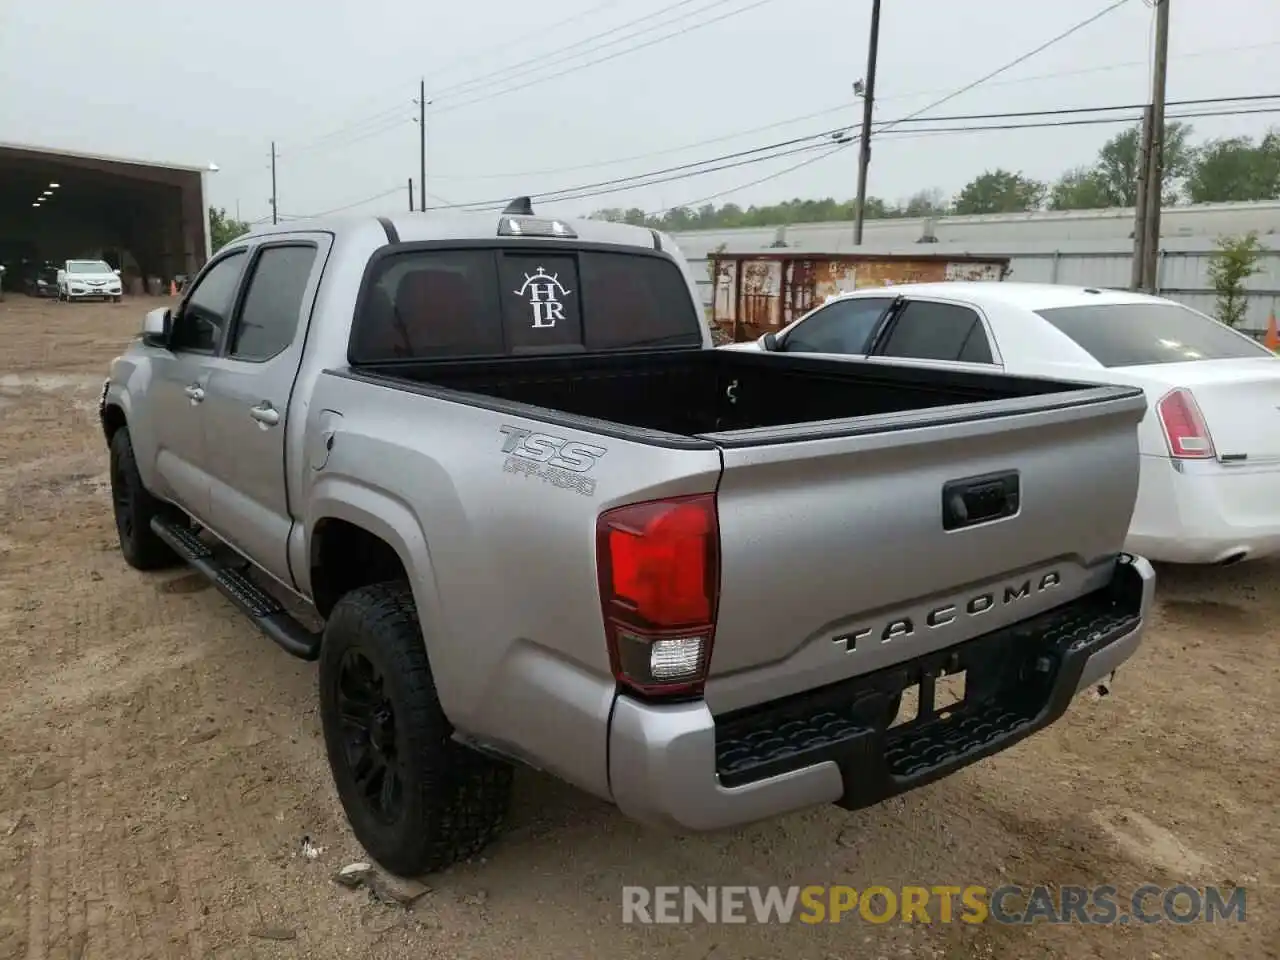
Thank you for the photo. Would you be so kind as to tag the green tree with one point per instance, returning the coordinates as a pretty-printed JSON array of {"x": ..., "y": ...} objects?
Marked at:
[
  {"x": 1234, "y": 262},
  {"x": 1236, "y": 168},
  {"x": 224, "y": 229},
  {"x": 1080, "y": 189},
  {"x": 1000, "y": 191},
  {"x": 924, "y": 203},
  {"x": 1119, "y": 160}
]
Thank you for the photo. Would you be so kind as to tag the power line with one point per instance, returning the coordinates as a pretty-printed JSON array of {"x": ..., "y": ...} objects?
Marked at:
[
  {"x": 843, "y": 107},
  {"x": 754, "y": 183},
  {"x": 514, "y": 42},
  {"x": 936, "y": 103},
  {"x": 1102, "y": 68},
  {"x": 1081, "y": 122},
  {"x": 635, "y": 180},
  {"x": 803, "y": 145},
  {"x": 510, "y": 72},
  {"x": 378, "y": 121},
  {"x": 386, "y": 120},
  {"x": 1117, "y": 4},
  {"x": 353, "y": 204},
  {"x": 613, "y": 56},
  {"x": 551, "y": 58},
  {"x": 571, "y": 194},
  {"x": 388, "y": 123}
]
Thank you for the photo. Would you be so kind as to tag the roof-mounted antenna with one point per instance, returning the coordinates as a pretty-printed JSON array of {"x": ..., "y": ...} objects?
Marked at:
[{"x": 520, "y": 207}]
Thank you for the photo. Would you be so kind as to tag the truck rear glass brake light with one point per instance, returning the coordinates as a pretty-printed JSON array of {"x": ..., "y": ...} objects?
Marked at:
[{"x": 510, "y": 226}]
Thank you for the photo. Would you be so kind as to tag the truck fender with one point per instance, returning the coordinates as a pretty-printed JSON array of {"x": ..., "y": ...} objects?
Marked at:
[
  {"x": 389, "y": 518},
  {"x": 120, "y": 393}
]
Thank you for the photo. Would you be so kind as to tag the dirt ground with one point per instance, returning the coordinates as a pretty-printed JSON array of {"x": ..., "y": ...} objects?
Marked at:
[{"x": 161, "y": 764}]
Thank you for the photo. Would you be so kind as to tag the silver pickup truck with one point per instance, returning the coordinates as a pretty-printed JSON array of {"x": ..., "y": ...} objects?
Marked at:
[{"x": 490, "y": 472}]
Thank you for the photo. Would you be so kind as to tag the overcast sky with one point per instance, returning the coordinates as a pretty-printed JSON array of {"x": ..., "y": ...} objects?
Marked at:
[{"x": 333, "y": 84}]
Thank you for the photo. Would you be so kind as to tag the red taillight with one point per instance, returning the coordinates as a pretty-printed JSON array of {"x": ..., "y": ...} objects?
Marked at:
[
  {"x": 659, "y": 567},
  {"x": 1184, "y": 428}
]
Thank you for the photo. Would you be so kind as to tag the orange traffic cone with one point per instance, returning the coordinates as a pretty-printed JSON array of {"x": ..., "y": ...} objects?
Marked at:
[
  {"x": 1272, "y": 339},
  {"x": 173, "y": 288}
]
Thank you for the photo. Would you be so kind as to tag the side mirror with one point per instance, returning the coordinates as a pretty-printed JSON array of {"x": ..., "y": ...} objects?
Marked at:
[
  {"x": 769, "y": 342},
  {"x": 157, "y": 326},
  {"x": 116, "y": 272}
]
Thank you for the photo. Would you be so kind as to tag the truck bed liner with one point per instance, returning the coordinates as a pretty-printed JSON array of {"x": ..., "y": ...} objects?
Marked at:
[{"x": 692, "y": 393}]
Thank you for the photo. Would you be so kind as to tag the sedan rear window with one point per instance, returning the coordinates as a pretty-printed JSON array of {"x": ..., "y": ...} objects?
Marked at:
[{"x": 1134, "y": 334}]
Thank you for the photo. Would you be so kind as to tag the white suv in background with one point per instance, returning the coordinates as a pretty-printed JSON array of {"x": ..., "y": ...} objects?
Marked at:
[{"x": 88, "y": 280}]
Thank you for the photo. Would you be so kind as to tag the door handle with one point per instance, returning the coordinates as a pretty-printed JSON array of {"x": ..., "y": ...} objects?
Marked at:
[
  {"x": 265, "y": 414},
  {"x": 195, "y": 392}
]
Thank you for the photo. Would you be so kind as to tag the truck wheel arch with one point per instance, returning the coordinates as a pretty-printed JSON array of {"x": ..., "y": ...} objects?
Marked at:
[
  {"x": 361, "y": 537},
  {"x": 113, "y": 418}
]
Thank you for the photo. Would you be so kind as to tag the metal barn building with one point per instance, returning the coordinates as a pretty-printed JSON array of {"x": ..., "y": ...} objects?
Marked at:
[{"x": 149, "y": 220}]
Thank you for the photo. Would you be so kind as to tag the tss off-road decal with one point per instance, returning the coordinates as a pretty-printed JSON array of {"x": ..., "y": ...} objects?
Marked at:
[{"x": 554, "y": 460}]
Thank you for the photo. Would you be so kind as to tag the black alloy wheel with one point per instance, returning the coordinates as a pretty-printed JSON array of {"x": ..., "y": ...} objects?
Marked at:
[{"x": 370, "y": 750}]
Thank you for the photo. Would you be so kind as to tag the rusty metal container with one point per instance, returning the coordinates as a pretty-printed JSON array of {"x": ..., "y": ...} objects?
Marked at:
[{"x": 761, "y": 291}]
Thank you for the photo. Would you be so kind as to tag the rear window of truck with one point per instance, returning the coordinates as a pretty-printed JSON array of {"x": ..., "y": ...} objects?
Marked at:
[
  {"x": 441, "y": 303},
  {"x": 1135, "y": 334}
]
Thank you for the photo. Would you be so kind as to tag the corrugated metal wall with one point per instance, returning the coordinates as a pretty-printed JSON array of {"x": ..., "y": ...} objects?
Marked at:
[{"x": 1183, "y": 271}]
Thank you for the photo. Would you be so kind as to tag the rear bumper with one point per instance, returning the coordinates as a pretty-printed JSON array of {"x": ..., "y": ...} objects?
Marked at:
[
  {"x": 1205, "y": 512},
  {"x": 680, "y": 767}
]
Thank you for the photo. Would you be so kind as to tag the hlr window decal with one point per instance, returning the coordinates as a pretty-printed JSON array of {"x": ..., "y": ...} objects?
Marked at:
[{"x": 544, "y": 291}]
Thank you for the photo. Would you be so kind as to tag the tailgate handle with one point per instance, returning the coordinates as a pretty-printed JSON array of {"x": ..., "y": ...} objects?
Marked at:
[{"x": 974, "y": 500}]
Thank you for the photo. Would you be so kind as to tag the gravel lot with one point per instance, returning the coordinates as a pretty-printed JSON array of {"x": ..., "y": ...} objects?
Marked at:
[{"x": 161, "y": 764}]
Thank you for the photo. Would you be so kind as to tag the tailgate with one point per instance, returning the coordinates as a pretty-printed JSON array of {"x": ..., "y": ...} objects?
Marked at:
[{"x": 881, "y": 539}]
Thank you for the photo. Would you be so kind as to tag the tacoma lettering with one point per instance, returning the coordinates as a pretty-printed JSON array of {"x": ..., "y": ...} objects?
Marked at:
[{"x": 940, "y": 616}]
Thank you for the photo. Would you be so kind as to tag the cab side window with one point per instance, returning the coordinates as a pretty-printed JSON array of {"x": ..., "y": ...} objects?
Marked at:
[
  {"x": 845, "y": 326},
  {"x": 925, "y": 330},
  {"x": 272, "y": 307},
  {"x": 198, "y": 328}
]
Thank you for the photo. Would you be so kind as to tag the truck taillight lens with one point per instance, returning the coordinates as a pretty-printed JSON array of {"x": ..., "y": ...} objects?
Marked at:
[
  {"x": 1184, "y": 428},
  {"x": 659, "y": 568}
]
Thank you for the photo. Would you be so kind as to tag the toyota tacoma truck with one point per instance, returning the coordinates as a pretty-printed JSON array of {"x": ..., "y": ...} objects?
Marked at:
[{"x": 490, "y": 472}]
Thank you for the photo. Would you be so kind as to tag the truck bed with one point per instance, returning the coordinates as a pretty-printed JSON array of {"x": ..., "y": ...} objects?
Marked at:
[
  {"x": 692, "y": 393},
  {"x": 882, "y": 501}
]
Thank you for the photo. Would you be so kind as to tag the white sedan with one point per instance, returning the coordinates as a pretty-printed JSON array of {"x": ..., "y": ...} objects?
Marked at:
[
  {"x": 89, "y": 280},
  {"x": 1209, "y": 491}
]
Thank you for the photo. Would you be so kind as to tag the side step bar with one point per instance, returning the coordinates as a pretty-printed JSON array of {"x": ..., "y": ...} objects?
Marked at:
[{"x": 263, "y": 609}]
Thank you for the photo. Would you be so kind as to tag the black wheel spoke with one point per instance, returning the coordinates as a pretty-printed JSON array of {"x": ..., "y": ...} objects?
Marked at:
[
  {"x": 367, "y": 719},
  {"x": 367, "y": 768},
  {"x": 354, "y": 716},
  {"x": 389, "y": 795}
]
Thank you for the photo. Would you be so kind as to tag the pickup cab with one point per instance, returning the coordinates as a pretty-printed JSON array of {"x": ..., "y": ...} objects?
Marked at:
[{"x": 490, "y": 472}]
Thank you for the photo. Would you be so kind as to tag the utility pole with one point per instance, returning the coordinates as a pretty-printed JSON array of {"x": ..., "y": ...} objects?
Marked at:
[
  {"x": 275, "y": 206},
  {"x": 868, "y": 104},
  {"x": 411, "y": 194},
  {"x": 1155, "y": 160},
  {"x": 422, "y": 144},
  {"x": 1140, "y": 204}
]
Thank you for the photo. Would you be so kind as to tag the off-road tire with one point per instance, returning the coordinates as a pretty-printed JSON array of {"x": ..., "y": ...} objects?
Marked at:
[
  {"x": 453, "y": 799},
  {"x": 134, "y": 507}
]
